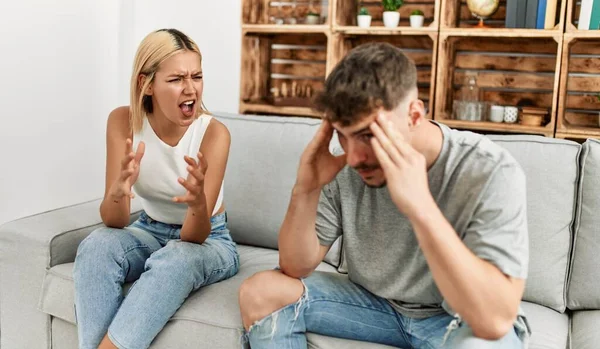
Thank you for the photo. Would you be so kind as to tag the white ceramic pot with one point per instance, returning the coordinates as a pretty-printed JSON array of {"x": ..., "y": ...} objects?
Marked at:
[
  {"x": 511, "y": 114},
  {"x": 364, "y": 21},
  {"x": 391, "y": 19},
  {"x": 416, "y": 21},
  {"x": 496, "y": 113},
  {"x": 312, "y": 19}
]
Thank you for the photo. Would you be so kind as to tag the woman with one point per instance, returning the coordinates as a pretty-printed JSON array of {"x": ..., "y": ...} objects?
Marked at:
[{"x": 172, "y": 154}]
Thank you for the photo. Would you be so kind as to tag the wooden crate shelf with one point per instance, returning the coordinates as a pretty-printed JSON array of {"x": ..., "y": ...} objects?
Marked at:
[
  {"x": 456, "y": 14},
  {"x": 504, "y": 33},
  {"x": 579, "y": 107},
  {"x": 346, "y": 12},
  {"x": 281, "y": 72},
  {"x": 290, "y": 12},
  {"x": 556, "y": 68},
  {"x": 352, "y": 30},
  {"x": 509, "y": 72},
  {"x": 282, "y": 29}
]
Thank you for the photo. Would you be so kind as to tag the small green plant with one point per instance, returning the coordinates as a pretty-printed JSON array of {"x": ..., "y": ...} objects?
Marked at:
[
  {"x": 417, "y": 13},
  {"x": 598, "y": 96},
  {"x": 392, "y": 5},
  {"x": 363, "y": 12},
  {"x": 312, "y": 13}
]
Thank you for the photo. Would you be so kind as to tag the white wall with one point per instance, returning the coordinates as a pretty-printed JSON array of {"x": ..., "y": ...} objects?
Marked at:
[
  {"x": 59, "y": 70},
  {"x": 65, "y": 64}
]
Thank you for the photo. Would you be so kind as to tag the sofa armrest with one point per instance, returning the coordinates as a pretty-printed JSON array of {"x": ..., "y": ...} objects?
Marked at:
[{"x": 28, "y": 247}]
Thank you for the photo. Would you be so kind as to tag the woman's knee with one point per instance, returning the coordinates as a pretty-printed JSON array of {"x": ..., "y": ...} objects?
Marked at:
[{"x": 267, "y": 291}]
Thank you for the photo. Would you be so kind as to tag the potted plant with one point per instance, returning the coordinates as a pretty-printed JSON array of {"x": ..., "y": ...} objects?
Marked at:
[
  {"x": 391, "y": 16},
  {"x": 364, "y": 18},
  {"x": 313, "y": 18},
  {"x": 417, "y": 18}
]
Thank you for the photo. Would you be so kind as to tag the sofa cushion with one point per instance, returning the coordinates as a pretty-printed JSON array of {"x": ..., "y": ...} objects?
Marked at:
[
  {"x": 261, "y": 171},
  {"x": 550, "y": 329},
  {"x": 584, "y": 285},
  {"x": 210, "y": 318},
  {"x": 584, "y": 331},
  {"x": 551, "y": 167}
]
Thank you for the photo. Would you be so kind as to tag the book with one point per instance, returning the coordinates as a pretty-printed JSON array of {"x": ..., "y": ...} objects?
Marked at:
[
  {"x": 531, "y": 14},
  {"x": 541, "y": 15},
  {"x": 550, "y": 20},
  {"x": 511, "y": 14},
  {"x": 585, "y": 14},
  {"x": 521, "y": 13},
  {"x": 595, "y": 18}
]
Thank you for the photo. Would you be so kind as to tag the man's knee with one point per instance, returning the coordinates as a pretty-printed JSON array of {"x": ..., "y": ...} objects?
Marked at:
[{"x": 265, "y": 292}]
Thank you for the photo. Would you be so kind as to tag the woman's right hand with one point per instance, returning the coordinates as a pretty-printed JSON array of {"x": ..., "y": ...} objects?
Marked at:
[
  {"x": 130, "y": 169},
  {"x": 317, "y": 165}
]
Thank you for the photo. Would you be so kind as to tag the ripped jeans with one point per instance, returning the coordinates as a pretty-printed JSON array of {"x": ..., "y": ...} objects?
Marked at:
[{"x": 331, "y": 305}]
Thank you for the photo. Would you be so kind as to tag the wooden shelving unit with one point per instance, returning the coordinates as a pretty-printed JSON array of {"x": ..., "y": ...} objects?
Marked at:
[{"x": 556, "y": 69}]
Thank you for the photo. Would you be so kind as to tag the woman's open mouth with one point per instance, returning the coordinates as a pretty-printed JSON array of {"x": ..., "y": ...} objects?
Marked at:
[{"x": 187, "y": 108}]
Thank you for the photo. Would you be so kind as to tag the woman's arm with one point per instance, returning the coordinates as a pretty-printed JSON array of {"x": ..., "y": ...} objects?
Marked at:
[
  {"x": 215, "y": 152},
  {"x": 120, "y": 169}
]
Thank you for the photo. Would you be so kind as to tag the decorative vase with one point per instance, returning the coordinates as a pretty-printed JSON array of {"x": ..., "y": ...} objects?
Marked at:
[{"x": 391, "y": 19}]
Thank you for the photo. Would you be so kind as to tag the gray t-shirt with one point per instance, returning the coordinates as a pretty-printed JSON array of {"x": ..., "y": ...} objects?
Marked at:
[{"x": 479, "y": 187}]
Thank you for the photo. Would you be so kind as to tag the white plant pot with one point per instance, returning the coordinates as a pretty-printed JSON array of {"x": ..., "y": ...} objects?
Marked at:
[
  {"x": 391, "y": 19},
  {"x": 416, "y": 21},
  {"x": 312, "y": 19},
  {"x": 364, "y": 21}
]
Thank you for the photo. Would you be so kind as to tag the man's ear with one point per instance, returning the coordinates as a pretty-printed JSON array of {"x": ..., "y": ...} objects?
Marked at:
[
  {"x": 141, "y": 81},
  {"x": 416, "y": 113}
]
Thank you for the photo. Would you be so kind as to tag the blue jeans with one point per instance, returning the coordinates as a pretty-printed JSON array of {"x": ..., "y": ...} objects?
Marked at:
[
  {"x": 167, "y": 270},
  {"x": 334, "y": 306}
]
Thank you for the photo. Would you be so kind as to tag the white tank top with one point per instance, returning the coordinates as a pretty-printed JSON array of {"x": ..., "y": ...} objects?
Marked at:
[{"x": 160, "y": 167}]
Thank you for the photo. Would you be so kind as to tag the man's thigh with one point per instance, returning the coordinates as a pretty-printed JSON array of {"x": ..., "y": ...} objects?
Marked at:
[{"x": 337, "y": 307}]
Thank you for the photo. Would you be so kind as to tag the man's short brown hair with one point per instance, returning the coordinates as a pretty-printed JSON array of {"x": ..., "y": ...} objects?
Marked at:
[{"x": 372, "y": 75}]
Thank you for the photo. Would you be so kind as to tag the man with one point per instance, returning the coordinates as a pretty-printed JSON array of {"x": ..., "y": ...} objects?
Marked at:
[{"x": 433, "y": 222}]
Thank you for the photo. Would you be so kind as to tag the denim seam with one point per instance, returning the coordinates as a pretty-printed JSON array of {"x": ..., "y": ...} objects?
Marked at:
[
  {"x": 125, "y": 257},
  {"x": 352, "y": 304}
]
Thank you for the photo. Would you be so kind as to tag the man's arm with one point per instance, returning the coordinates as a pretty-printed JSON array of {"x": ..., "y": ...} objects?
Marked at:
[
  {"x": 487, "y": 299},
  {"x": 478, "y": 290},
  {"x": 299, "y": 249}
]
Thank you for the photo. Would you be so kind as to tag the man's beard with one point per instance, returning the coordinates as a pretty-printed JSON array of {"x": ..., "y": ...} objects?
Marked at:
[{"x": 370, "y": 168}]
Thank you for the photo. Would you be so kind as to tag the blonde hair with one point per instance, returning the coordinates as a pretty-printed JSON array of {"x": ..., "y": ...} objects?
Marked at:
[{"x": 153, "y": 50}]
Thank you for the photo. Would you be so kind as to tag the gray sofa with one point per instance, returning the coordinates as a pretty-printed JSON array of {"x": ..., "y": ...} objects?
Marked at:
[{"x": 562, "y": 298}]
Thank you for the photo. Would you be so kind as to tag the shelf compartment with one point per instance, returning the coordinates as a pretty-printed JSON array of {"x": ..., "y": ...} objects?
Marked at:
[
  {"x": 572, "y": 19},
  {"x": 456, "y": 14},
  {"x": 282, "y": 72},
  {"x": 579, "y": 107},
  {"x": 261, "y": 12},
  {"x": 346, "y": 12},
  {"x": 510, "y": 72},
  {"x": 421, "y": 49}
]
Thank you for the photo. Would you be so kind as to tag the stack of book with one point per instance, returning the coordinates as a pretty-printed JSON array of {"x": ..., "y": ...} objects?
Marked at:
[
  {"x": 535, "y": 14},
  {"x": 589, "y": 15}
]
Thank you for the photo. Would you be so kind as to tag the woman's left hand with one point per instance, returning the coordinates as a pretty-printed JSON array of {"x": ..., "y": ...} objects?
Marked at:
[{"x": 194, "y": 196}]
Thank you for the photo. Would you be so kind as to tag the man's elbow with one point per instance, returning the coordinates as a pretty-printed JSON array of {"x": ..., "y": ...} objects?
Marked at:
[
  {"x": 294, "y": 271},
  {"x": 494, "y": 329}
]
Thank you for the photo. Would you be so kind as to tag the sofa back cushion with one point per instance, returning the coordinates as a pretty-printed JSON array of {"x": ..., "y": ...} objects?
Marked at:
[
  {"x": 552, "y": 171},
  {"x": 584, "y": 285},
  {"x": 261, "y": 171}
]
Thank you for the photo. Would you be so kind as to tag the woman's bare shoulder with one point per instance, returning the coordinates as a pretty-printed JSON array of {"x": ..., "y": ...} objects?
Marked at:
[{"x": 118, "y": 121}]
